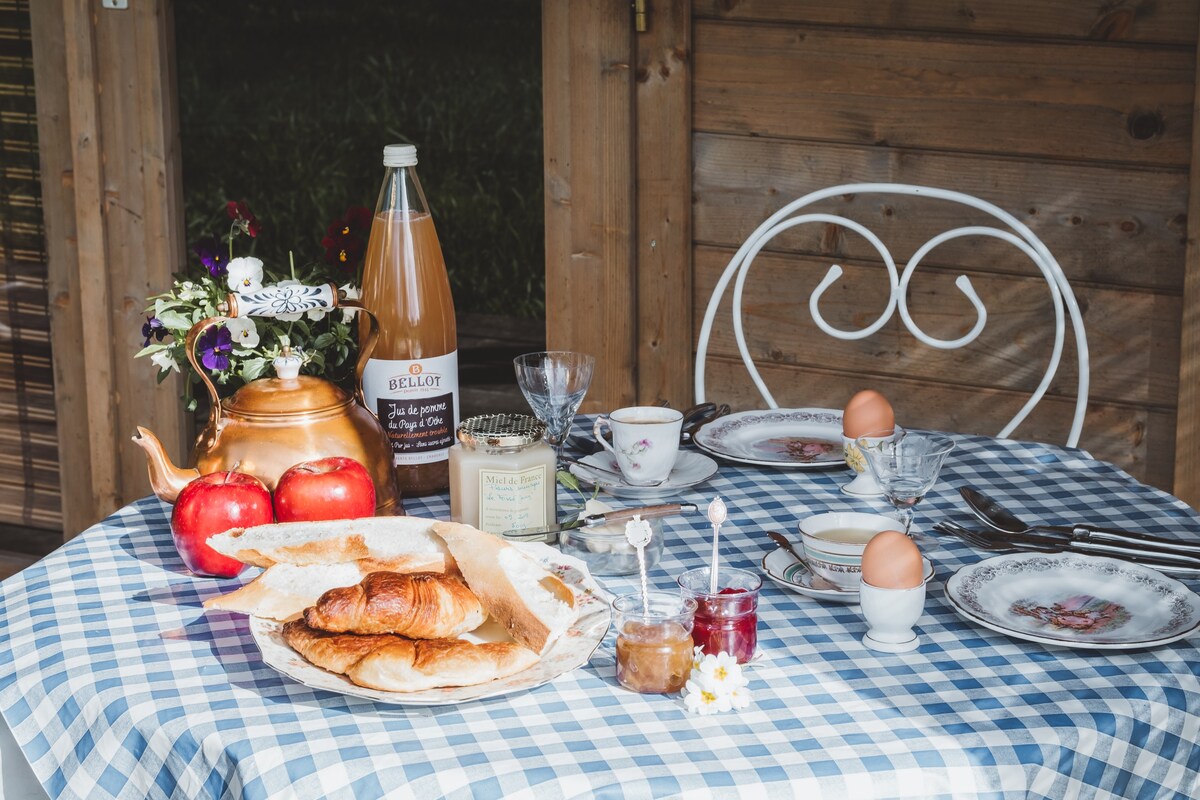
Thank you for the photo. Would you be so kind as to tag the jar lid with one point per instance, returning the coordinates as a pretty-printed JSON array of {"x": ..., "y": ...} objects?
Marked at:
[{"x": 501, "y": 430}]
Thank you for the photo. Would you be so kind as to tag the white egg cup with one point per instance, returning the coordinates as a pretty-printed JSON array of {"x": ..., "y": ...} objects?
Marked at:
[
  {"x": 890, "y": 615},
  {"x": 864, "y": 484}
]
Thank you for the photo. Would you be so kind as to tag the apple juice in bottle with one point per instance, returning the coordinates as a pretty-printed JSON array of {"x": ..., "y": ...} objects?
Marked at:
[{"x": 411, "y": 380}]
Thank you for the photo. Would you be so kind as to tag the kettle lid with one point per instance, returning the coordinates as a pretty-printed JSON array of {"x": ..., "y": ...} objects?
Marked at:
[{"x": 303, "y": 394}]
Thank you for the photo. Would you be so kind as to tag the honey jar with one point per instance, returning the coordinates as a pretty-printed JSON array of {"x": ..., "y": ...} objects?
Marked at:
[{"x": 502, "y": 474}]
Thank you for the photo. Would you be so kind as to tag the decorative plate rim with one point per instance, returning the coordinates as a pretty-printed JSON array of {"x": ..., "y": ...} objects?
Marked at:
[
  {"x": 703, "y": 438},
  {"x": 988, "y": 569},
  {"x": 837, "y": 595}
]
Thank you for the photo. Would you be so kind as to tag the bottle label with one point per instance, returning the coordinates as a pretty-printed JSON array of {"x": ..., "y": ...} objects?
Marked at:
[
  {"x": 511, "y": 499},
  {"x": 417, "y": 404}
]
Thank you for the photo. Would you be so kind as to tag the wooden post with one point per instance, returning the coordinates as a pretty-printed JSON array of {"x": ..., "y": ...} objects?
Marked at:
[
  {"x": 1187, "y": 417},
  {"x": 591, "y": 303},
  {"x": 664, "y": 206},
  {"x": 112, "y": 200}
]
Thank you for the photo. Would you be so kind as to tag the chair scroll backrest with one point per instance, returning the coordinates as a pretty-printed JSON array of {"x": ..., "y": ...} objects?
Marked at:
[{"x": 1017, "y": 234}]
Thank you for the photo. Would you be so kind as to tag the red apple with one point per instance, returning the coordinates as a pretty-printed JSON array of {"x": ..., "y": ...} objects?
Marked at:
[
  {"x": 327, "y": 488},
  {"x": 211, "y": 504}
]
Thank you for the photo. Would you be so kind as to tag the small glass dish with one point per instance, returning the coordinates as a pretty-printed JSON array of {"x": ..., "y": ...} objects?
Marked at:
[{"x": 605, "y": 550}]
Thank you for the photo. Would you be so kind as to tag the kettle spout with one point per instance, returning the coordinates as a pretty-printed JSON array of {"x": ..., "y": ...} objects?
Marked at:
[{"x": 166, "y": 479}]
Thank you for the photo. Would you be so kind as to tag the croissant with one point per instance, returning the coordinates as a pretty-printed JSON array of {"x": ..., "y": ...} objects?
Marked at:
[
  {"x": 419, "y": 605},
  {"x": 395, "y": 664}
]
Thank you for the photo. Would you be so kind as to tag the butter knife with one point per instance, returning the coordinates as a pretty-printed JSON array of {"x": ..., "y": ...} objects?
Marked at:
[{"x": 550, "y": 533}]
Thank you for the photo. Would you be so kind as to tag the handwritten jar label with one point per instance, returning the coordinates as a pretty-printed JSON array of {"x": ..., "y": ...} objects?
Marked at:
[
  {"x": 510, "y": 499},
  {"x": 417, "y": 404}
]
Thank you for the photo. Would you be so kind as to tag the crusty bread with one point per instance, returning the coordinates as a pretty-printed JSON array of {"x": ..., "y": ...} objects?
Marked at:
[
  {"x": 419, "y": 605},
  {"x": 395, "y": 664},
  {"x": 285, "y": 590},
  {"x": 534, "y": 606},
  {"x": 399, "y": 544}
]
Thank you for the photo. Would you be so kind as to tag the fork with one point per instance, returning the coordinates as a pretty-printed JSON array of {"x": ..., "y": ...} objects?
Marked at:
[{"x": 985, "y": 540}]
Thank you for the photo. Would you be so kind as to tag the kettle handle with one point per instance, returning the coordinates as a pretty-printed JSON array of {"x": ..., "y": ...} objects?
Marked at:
[{"x": 271, "y": 302}]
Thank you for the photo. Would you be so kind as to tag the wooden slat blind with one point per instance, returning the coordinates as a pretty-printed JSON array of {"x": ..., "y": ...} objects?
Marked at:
[{"x": 29, "y": 473}]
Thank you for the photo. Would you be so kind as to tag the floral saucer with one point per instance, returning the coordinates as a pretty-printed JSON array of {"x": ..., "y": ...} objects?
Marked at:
[
  {"x": 691, "y": 469},
  {"x": 783, "y": 568}
]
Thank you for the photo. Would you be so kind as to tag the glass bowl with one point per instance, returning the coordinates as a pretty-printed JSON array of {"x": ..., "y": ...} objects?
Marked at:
[{"x": 606, "y": 552}]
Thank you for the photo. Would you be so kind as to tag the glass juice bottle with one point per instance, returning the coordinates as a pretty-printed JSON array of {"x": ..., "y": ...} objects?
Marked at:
[{"x": 411, "y": 380}]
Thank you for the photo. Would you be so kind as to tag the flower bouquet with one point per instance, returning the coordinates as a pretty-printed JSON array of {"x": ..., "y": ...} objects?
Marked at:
[{"x": 243, "y": 348}]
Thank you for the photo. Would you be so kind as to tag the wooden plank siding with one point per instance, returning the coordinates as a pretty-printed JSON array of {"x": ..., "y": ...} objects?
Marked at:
[
  {"x": 1077, "y": 117},
  {"x": 1187, "y": 454},
  {"x": 589, "y": 135},
  {"x": 113, "y": 212}
]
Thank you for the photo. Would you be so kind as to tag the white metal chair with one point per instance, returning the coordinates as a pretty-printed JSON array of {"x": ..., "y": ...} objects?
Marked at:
[{"x": 1017, "y": 234}]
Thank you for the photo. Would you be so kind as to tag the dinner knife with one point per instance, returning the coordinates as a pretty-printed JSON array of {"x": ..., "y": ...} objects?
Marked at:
[
  {"x": 550, "y": 532},
  {"x": 1066, "y": 540}
]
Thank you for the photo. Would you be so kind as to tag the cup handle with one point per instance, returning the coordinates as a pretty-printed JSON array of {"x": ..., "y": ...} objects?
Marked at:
[{"x": 602, "y": 420}]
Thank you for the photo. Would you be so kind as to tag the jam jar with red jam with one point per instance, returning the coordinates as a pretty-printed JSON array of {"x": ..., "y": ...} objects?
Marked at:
[{"x": 725, "y": 620}]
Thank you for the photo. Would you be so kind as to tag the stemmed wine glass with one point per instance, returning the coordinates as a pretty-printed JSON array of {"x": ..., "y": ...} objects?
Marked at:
[
  {"x": 554, "y": 383},
  {"x": 905, "y": 466}
]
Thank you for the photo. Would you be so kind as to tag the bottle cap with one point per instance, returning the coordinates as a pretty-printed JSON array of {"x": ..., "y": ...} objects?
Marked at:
[
  {"x": 500, "y": 431},
  {"x": 400, "y": 155}
]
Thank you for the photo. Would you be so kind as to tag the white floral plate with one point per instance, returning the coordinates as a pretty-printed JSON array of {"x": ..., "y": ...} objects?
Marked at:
[
  {"x": 783, "y": 568},
  {"x": 691, "y": 469},
  {"x": 791, "y": 438},
  {"x": 571, "y": 651},
  {"x": 1074, "y": 600}
]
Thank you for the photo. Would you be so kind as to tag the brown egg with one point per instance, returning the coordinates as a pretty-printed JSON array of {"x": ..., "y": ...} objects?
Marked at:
[
  {"x": 868, "y": 412},
  {"x": 892, "y": 561}
]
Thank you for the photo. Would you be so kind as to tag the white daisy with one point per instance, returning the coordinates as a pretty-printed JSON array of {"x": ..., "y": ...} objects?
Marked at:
[
  {"x": 245, "y": 274},
  {"x": 701, "y": 698},
  {"x": 162, "y": 359},
  {"x": 740, "y": 697},
  {"x": 244, "y": 332},
  {"x": 723, "y": 671}
]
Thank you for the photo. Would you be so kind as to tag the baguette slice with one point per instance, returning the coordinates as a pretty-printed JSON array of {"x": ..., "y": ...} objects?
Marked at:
[
  {"x": 398, "y": 544},
  {"x": 534, "y": 606},
  {"x": 395, "y": 664},
  {"x": 285, "y": 590}
]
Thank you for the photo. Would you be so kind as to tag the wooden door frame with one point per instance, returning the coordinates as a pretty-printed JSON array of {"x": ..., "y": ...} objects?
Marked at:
[{"x": 617, "y": 119}]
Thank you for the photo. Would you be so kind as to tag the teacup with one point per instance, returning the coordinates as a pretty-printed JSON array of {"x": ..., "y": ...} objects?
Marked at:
[
  {"x": 645, "y": 442},
  {"x": 834, "y": 544}
]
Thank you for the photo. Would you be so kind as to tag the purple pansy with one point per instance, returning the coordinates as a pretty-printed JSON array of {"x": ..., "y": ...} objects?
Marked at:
[
  {"x": 213, "y": 344},
  {"x": 153, "y": 327},
  {"x": 209, "y": 252}
]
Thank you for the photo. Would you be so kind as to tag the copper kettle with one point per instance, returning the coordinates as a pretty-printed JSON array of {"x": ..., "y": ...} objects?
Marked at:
[{"x": 271, "y": 424}]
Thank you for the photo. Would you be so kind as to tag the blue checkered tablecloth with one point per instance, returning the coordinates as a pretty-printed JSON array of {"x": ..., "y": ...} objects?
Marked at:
[{"x": 116, "y": 683}]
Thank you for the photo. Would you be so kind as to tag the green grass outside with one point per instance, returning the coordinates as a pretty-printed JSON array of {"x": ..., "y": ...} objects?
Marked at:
[{"x": 287, "y": 104}]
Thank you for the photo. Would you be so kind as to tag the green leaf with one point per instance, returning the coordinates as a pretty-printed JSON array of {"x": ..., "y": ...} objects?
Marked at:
[
  {"x": 324, "y": 340},
  {"x": 253, "y": 368},
  {"x": 568, "y": 480},
  {"x": 174, "y": 320},
  {"x": 150, "y": 350}
]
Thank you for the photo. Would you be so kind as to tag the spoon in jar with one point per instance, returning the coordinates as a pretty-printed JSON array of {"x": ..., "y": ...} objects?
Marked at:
[{"x": 817, "y": 582}]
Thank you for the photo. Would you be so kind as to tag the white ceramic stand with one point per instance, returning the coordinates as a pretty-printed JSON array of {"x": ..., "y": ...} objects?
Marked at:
[{"x": 890, "y": 615}]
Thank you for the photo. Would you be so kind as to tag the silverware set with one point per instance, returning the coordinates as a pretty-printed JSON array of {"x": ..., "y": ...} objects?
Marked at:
[{"x": 1005, "y": 533}]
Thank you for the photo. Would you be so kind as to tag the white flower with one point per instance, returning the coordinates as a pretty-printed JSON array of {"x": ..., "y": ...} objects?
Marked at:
[
  {"x": 739, "y": 698},
  {"x": 289, "y": 317},
  {"x": 701, "y": 698},
  {"x": 244, "y": 332},
  {"x": 697, "y": 657},
  {"x": 245, "y": 274},
  {"x": 352, "y": 293},
  {"x": 162, "y": 359},
  {"x": 316, "y": 314},
  {"x": 723, "y": 671}
]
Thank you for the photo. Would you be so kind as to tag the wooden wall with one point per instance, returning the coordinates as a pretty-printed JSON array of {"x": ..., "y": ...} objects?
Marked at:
[
  {"x": 109, "y": 145},
  {"x": 1074, "y": 116}
]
